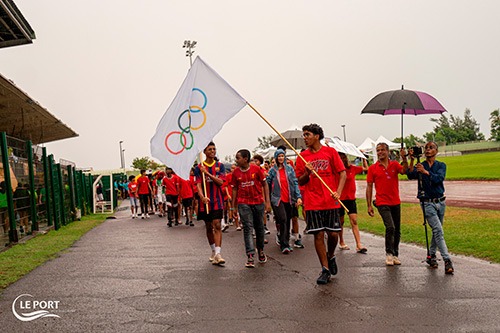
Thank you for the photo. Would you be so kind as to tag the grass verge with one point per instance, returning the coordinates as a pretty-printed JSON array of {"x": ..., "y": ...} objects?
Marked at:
[
  {"x": 468, "y": 231},
  {"x": 25, "y": 257}
]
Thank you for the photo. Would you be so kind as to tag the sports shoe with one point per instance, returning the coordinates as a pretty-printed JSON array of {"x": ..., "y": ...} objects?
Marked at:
[
  {"x": 218, "y": 260},
  {"x": 238, "y": 228},
  {"x": 266, "y": 231},
  {"x": 298, "y": 244},
  {"x": 262, "y": 257},
  {"x": 324, "y": 277},
  {"x": 176, "y": 223},
  {"x": 285, "y": 250},
  {"x": 142, "y": 216},
  {"x": 332, "y": 265},
  {"x": 432, "y": 261},
  {"x": 266, "y": 241},
  {"x": 448, "y": 267},
  {"x": 225, "y": 227},
  {"x": 396, "y": 260},
  {"x": 191, "y": 224},
  {"x": 147, "y": 215},
  {"x": 278, "y": 240},
  {"x": 133, "y": 216},
  {"x": 389, "y": 260},
  {"x": 211, "y": 258},
  {"x": 169, "y": 224},
  {"x": 290, "y": 249},
  {"x": 187, "y": 221},
  {"x": 250, "y": 262}
]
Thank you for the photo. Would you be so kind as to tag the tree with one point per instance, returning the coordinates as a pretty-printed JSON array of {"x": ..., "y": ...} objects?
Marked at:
[
  {"x": 410, "y": 141},
  {"x": 264, "y": 141},
  {"x": 455, "y": 129},
  {"x": 142, "y": 163},
  {"x": 495, "y": 125}
]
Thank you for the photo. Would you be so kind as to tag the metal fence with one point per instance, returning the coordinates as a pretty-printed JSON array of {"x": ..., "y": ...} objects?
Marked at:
[{"x": 37, "y": 193}]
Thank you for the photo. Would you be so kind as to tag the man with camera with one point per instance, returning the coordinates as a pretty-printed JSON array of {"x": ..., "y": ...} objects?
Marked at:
[{"x": 431, "y": 174}]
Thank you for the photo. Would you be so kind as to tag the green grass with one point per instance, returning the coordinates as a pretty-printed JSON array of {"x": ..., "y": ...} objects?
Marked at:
[
  {"x": 482, "y": 166},
  {"x": 25, "y": 257},
  {"x": 467, "y": 231}
]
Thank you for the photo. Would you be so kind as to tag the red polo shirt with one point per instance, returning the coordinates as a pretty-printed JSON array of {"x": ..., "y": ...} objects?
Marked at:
[{"x": 386, "y": 182}]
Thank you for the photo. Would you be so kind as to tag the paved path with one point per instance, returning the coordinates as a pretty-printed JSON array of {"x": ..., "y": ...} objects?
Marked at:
[
  {"x": 473, "y": 194},
  {"x": 140, "y": 276}
]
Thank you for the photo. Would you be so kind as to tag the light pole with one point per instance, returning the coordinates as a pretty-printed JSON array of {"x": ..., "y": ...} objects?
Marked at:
[
  {"x": 343, "y": 129},
  {"x": 190, "y": 45},
  {"x": 121, "y": 155}
]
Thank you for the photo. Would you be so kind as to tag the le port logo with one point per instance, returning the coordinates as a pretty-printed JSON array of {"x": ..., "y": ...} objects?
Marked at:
[{"x": 26, "y": 308}]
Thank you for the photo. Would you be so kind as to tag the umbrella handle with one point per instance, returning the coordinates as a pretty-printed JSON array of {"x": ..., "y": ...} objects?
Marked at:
[{"x": 297, "y": 153}]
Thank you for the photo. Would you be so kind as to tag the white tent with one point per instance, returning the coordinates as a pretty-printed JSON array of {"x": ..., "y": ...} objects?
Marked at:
[
  {"x": 392, "y": 145},
  {"x": 367, "y": 145}
]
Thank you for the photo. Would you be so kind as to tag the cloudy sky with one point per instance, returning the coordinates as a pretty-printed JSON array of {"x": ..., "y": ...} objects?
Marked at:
[{"x": 109, "y": 68}]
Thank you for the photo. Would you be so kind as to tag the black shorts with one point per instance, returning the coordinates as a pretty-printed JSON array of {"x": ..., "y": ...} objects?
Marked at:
[
  {"x": 295, "y": 211},
  {"x": 323, "y": 220},
  {"x": 188, "y": 202},
  {"x": 212, "y": 215},
  {"x": 350, "y": 205}
]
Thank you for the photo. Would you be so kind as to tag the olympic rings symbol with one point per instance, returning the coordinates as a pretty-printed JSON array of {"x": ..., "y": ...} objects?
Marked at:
[{"x": 186, "y": 138}]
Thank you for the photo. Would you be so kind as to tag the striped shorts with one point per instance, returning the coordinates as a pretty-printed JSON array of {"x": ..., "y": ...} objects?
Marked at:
[{"x": 323, "y": 220}]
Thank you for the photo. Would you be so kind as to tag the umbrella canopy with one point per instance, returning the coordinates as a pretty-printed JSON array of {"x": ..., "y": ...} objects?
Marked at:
[
  {"x": 403, "y": 102},
  {"x": 293, "y": 136},
  {"x": 343, "y": 146}
]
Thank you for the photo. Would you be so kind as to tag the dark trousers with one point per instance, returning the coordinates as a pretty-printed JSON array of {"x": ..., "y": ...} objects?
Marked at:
[
  {"x": 144, "y": 200},
  {"x": 391, "y": 215},
  {"x": 283, "y": 215}
]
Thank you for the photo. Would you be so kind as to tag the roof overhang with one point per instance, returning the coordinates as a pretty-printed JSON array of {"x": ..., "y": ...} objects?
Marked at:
[
  {"x": 24, "y": 118},
  {"x": 14, "y": 29}
]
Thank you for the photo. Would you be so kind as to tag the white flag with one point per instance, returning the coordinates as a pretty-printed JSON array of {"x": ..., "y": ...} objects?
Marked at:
[{"x": 203, "y": 104}]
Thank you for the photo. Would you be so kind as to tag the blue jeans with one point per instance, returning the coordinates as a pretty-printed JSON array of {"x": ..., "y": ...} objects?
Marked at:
[
  {"x": 434, "y": 214},
  {"x": 251, "y": 216}
]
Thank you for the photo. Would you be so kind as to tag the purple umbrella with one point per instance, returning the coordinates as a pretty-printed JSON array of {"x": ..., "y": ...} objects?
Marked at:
[{"x": 403, "y": 102}]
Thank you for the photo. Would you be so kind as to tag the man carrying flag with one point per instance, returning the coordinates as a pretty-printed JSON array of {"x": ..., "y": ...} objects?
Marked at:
[{"x": 210, "y": 175}]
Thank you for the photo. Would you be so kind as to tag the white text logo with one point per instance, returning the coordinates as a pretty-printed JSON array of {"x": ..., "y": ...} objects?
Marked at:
[{"x": 39, "y": 308}]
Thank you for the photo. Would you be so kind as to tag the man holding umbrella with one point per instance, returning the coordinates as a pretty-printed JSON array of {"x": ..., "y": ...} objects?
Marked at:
[
  {"x": 430, "y": 175},
  {"x": 384, "y": 174}
]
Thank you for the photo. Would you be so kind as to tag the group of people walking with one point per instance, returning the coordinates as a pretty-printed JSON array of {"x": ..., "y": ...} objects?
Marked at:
[{"x": 322, "y": 182}]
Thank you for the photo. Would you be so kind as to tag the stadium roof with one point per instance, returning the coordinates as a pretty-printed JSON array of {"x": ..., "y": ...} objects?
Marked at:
[
  {"x": 14, "y": 29},
  {"x": 24, "y": 118}
]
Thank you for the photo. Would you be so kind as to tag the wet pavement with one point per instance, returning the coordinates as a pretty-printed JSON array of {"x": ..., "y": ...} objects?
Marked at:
[{"x": 140, "y": 276}]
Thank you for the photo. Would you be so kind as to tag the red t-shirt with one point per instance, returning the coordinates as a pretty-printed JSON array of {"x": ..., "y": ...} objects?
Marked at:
[
  {"x": 284, "y": 191},
  {"x": 327, "y": 164},
  {"x": 186, "y": 189},
  {"x": 143, "y": 185},
  {"x": 132, "y": 189},
  {"x": 386, "y": 182},
  {"x": 249, "y": 185},
  {"x": 171, "y": 185},
  {"x": 349, "y": 191}
]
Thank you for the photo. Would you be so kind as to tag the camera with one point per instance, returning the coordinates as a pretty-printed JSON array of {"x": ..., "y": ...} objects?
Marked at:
[{"x": 417, "y": 151}]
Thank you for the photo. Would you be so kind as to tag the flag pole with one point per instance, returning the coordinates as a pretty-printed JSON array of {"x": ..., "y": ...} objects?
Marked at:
[
  {"x": 296, "y": 152},
  {"x": 200, "y": 156}
]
